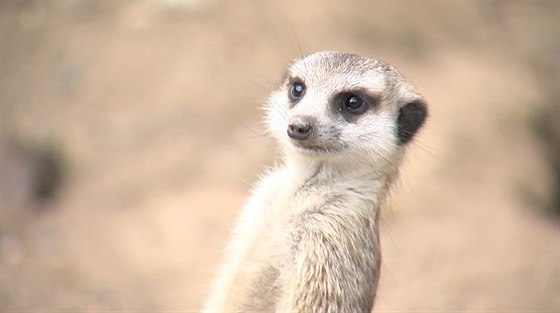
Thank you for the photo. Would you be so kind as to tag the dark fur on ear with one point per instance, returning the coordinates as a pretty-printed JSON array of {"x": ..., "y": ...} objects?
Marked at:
[{"x": 411, "y": 118}]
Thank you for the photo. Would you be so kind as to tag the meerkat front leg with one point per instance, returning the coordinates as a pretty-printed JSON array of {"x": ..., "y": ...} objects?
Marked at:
[{"x": 231, "y": 289}]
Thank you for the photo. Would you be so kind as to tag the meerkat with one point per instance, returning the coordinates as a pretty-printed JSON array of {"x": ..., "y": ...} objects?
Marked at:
[{"x": 308, "y": 238}]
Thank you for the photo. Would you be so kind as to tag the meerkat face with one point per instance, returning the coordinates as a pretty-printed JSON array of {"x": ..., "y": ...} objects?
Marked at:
[{"x": 335, "y": 105}]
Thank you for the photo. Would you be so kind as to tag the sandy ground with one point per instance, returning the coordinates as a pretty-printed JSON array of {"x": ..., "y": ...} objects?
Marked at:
[{"x": 140, "y": 122}]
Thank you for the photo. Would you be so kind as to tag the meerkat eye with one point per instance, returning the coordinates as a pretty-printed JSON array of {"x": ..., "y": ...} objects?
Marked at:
[
  {"x": 354, "y": 104},
  {"x": 297, "y": 90}
]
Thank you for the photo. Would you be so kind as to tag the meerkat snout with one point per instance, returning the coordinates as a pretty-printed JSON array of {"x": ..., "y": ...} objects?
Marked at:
[{"x": 301, "y": 127}]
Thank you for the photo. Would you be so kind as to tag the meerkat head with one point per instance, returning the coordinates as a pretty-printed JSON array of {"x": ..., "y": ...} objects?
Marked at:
[{"x": 340, "y": 106}]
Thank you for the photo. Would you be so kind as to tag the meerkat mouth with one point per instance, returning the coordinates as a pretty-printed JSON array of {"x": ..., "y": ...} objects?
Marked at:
[{"x": 314, "y": 148}]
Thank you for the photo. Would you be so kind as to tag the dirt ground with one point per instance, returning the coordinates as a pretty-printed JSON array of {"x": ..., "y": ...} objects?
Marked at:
[{"x": 131, "y": 135}]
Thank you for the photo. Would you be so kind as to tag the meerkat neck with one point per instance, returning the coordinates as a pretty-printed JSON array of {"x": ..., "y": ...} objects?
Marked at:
[{"x": 303, "y": 168}]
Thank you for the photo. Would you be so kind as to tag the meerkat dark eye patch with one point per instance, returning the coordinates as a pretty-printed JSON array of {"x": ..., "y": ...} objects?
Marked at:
[
  {"x": 296, "y": 89},
  {"x": 411, "y": 118},
  {"x": 354, "y": 103}
]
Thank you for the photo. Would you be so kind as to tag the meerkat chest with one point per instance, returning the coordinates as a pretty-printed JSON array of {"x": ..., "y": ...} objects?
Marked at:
[
  {"x": 273, "y": 220},
  {"x": 288, "y": 203}
]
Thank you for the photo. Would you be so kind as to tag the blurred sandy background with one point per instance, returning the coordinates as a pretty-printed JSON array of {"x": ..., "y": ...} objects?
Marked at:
[{"x": 130, "y": 138}]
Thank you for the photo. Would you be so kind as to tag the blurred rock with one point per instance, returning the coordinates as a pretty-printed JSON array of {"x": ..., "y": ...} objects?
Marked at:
[{"x": 29, "y": 174}]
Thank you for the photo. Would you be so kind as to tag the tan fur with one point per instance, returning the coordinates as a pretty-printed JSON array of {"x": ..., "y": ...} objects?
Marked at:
[{"x": 308, "y": 239}]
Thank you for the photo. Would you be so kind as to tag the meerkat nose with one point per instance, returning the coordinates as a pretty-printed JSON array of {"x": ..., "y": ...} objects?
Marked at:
[{"x": 300, "y": 127}]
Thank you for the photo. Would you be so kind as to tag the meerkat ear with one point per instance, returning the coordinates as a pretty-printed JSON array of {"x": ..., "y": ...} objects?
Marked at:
[{"x": 411, "y": 117}]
